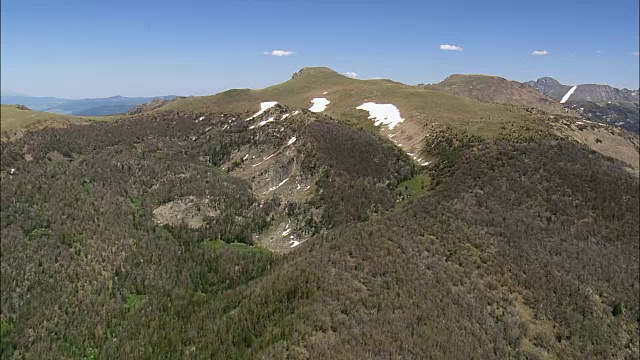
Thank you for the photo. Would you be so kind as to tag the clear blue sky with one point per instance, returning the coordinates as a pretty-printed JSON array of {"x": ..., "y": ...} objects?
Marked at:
[{"x": 86, "y": 48}]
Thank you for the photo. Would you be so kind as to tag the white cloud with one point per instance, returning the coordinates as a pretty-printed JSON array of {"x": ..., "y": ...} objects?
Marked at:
[
  {"x": 635, "y": 53},
  {"x": 351, "y": 74},
  {"x": 540, "y": 53},
  {"x": 449, "y": 47},
  {"x": 280, "y": 53}
]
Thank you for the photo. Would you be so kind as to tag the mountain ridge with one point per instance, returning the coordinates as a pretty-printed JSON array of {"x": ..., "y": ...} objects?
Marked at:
[{"x": 496, "y": 89}]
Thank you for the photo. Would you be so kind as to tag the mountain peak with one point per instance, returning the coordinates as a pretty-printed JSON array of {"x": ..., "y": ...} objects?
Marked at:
[{"x": 313, "y": 70}]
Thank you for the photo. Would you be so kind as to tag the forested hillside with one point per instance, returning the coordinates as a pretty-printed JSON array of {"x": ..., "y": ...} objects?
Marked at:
[{"x": 137, "y": 240}]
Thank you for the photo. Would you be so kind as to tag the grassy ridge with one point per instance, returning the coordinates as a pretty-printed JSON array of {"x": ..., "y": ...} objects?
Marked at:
[
  {"x": 420, "y": 106},
  {"x": 12, "y": 119}
]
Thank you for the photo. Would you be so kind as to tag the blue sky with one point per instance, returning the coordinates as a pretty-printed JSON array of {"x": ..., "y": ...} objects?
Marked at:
[{"x": 89, "y": 48}]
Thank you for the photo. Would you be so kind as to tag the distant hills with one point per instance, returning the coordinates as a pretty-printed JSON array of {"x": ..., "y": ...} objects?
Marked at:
[{"x": 82, "y": 107}]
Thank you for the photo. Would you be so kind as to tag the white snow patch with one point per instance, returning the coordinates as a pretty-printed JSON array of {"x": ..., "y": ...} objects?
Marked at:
[
  {"x": 277, "y": 186},
  {"x": 245, "y": 157},
  {"x": 325, "y": 93},
  {"x": 294, "y": 243},
  {"x": 568, "y": 95},
  {"x": 319, "y": 104},
  {"x": 263, "y": 160},
  {"x": 286, "y": 232},
  {"x": 425, "y": 163},
  {"x": 291, "y": 141},
  {"x": 264, "y": 106},
  {"x": 285, "y": 116},
  {"x": 383, "y": 114},
  {"x": 296, "y": 112},
  {"x": 200, "y": 119},
  {"x": 262, "y": 123}
]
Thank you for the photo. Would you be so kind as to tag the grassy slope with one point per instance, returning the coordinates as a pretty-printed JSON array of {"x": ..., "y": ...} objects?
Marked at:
[
  {"x": 13, "y": 119},
  {"x": 421, "y": 107}
]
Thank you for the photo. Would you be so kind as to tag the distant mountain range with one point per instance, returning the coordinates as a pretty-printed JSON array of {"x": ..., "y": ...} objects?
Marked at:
[
  {"x": 600, "y": 103},
  {"x": 82, "y": 107}
]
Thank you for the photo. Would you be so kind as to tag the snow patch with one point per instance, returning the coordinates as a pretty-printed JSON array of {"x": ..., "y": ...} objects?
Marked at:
[
  {"x": 319, "y": 104},
  {"x": 291, "y": 141},
  {"x": 277, "y": 186},
  {"x": 264, "y": 106},
  {"x": 568, "y": 95},
  {"x": 286, "y": 232},
  {"x": 296, "y": 112},
  {"x": 262, "y": 123},
  {"x": 285, "y": 116},
  {"x": 263, "y": 160},
  {"x": 294, "y": 243},
  {"x": 325, "y": 93},
  {"x": 383, "y": 114},
  {"x": 200, "y": 119}
]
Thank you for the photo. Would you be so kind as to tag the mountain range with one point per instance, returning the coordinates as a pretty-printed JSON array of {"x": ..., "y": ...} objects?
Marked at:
[
  {"x": 601, "y": 103},
  {"x": 82, "y": 107},
  {"x": 324, "y": 217}
]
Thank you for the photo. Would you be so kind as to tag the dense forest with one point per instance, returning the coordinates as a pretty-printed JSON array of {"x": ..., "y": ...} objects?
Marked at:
[{"x": 521, "y": 248}]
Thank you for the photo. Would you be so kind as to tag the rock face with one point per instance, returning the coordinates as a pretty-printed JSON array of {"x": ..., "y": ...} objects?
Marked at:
[
  {"x": 500, "y": 90},
  {"x": 601, "y": 93}
]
